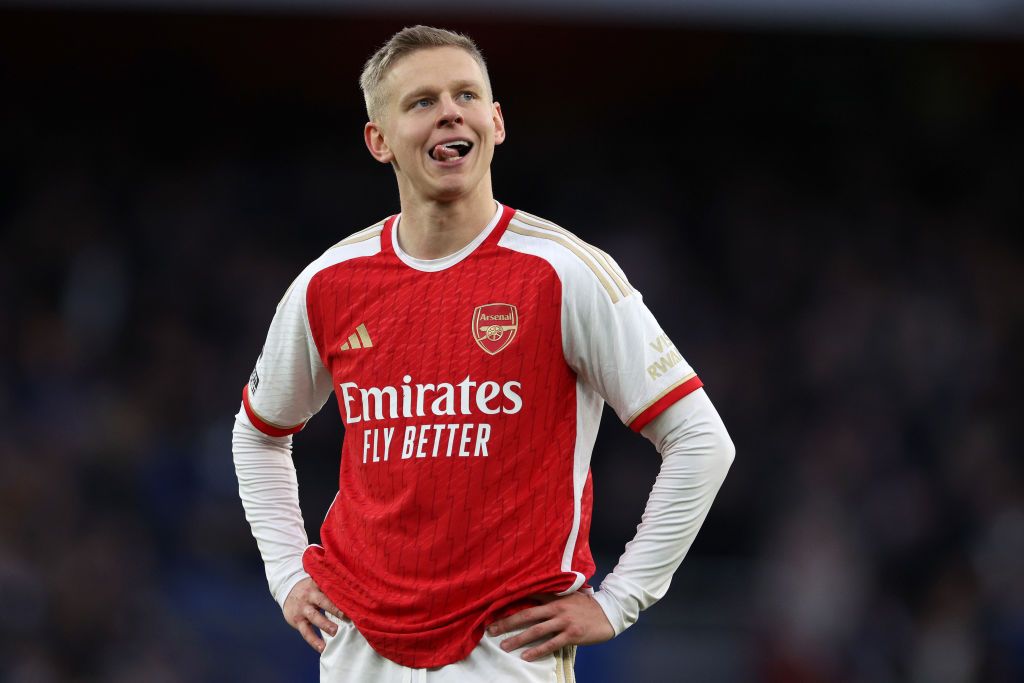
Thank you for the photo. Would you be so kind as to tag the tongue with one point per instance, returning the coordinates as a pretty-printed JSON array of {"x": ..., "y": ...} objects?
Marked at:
[{"x": 442, "y": 153}]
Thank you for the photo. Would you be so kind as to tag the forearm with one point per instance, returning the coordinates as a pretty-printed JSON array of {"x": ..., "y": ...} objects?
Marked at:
[
  {"x": 269, "y": 491},
  {"x": 696, "y": 454}
]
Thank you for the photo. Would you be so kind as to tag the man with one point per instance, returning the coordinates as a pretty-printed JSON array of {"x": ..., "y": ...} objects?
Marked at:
[{"x": 471, "y": 348}]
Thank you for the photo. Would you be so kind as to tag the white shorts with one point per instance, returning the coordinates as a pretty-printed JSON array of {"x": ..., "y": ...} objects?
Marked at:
[{"x": 348, "y": 658}]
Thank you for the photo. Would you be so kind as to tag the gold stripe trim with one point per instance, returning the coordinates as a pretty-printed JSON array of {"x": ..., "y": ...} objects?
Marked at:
[
  {"x": 286, "y": 293},
  {"x": 379, "y": 225},
  {"x": 559, "y": 667},
  {"x": 615, "y": 268},
  {"x": 571, "y": 247},
  {"x": 354, "y": 238},
  {"x": 659, "y": 397},
  {"x": 599, "y": 256},
  {"x": 360, "y": 236}
]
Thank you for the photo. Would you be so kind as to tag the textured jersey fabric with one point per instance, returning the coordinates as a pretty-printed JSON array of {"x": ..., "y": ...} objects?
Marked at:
[{"x": 471, "y": 391}]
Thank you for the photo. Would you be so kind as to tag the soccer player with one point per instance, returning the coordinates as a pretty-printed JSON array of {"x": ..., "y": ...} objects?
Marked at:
[{"x": 471, "y": 348}]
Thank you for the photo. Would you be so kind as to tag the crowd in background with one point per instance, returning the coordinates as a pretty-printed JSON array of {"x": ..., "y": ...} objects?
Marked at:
[{"x": 828, "y": 227}]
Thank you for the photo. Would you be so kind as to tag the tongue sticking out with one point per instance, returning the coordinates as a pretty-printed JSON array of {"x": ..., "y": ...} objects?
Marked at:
[{"x": 442, "y": 153}]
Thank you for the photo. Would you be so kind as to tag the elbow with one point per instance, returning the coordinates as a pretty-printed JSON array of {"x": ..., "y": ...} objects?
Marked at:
[
  {"x": 728, "y": 449},
  {"x": 725, "y": 450}
]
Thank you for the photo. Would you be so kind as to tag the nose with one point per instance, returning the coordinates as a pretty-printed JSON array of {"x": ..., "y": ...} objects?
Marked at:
[{"x": 450, "y": 114}]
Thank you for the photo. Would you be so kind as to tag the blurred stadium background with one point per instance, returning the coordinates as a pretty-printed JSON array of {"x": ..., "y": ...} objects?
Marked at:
[{"x": 821, "y": 201}]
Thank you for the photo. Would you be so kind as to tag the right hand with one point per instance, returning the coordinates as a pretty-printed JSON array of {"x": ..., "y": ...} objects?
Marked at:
[{"x": 302, "y": 612}]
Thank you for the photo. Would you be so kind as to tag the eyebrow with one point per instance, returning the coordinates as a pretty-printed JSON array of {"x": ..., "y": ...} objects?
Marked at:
[{"x": 456, "y": 85}]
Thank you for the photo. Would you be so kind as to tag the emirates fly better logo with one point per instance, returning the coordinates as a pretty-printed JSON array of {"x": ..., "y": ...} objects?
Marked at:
[{"x": 494, "y": 326}]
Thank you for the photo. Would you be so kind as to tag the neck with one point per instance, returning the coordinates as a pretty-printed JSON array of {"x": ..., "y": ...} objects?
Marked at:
[{"x": 434, "y": 229}]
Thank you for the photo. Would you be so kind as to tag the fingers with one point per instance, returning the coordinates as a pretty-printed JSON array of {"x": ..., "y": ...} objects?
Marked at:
[
  {"x": 324, "y": 603},
  {"x": 302, "y": 612},
  {"x": 572, "y": 620},
  {"x": 315, "y": 617},
  {"x": 543, "y": 650},
  {"x": 520, "y": 619},
  {"x": 310, "y": 636},
  {"x": 534, "y": 633}
]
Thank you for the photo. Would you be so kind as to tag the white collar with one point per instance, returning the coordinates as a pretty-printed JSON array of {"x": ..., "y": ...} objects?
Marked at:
[{"x": 433, "y": 265}]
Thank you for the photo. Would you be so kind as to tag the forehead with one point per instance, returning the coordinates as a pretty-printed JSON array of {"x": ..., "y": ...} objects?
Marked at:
[{"x": 432, "y": 68}]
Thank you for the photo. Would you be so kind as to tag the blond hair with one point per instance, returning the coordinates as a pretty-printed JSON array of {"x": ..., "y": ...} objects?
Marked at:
[{"x": 403, "y": 43}]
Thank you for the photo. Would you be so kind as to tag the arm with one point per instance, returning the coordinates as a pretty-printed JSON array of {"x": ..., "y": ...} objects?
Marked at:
[
  {"x": 618, "y": 350},
  {"x": 270, "y": 495},
  {"x": 696, "y": 454},
  {"x": 287, "y": 387}
]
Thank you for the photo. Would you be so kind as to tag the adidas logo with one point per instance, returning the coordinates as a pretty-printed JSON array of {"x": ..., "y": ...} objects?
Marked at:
[{"x": 359, "y": 340}]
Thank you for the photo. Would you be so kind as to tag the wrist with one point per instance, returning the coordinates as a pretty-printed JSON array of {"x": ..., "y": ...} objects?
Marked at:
[
  {"x": 285, "y": 588},
  {"x": 612, "y": 611}
]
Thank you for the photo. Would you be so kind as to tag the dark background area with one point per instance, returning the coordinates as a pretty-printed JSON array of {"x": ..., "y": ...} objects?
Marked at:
[{"x": 827, "y": 224}]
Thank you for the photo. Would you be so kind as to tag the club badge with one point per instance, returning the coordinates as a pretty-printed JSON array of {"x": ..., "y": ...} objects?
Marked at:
[{"x": 494, "y": 326}]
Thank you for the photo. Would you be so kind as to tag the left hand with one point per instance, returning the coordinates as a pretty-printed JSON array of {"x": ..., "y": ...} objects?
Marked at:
[{"x": 576, "y": 619}]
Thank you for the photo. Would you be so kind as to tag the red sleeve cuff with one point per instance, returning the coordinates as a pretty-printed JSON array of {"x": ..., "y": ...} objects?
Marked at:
[
  {"x": 660, "y": 404},
  {"x": 268, "y": 428}
]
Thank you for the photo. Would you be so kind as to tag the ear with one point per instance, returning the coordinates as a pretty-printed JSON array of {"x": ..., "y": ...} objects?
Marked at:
[
  {"x": 499, "y": 124},
  {"x": 373, "y": 135}
]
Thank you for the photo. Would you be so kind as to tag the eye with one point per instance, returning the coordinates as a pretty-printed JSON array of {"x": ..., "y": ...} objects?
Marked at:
[
  {"x": 467, "y": 96},
  {"x": 422, "y": 103}
]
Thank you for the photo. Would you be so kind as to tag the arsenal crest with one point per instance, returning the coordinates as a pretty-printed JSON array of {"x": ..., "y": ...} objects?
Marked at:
[{"x": 494, "y": 326}]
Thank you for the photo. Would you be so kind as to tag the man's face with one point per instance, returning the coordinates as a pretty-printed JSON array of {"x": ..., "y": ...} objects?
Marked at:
[{"x": 438, "y": 127}]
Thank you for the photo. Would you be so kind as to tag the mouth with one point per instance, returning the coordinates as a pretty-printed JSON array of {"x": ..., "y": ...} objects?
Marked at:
[{"x": 449, "y": 151}]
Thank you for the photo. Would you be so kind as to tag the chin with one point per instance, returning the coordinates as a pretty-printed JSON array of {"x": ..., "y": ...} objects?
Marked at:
[{"x": 449, "y": 192}]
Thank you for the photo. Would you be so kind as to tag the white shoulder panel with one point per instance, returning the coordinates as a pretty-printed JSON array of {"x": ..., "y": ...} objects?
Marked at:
[
  {"x": 290, "y": 383},
  {"x": 609, "y": 337},
  {"x": 552, "y": 242}
]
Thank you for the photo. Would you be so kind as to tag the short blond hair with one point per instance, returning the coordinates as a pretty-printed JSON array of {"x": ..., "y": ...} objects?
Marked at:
[{"x": 403, "y": 43}]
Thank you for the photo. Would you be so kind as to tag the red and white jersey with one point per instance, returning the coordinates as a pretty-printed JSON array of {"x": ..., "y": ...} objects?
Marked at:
[{"x": 471, "y": 389}]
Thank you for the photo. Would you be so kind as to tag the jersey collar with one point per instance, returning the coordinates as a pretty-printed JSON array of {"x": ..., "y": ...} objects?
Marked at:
[{"x": 489, "y": 235}]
